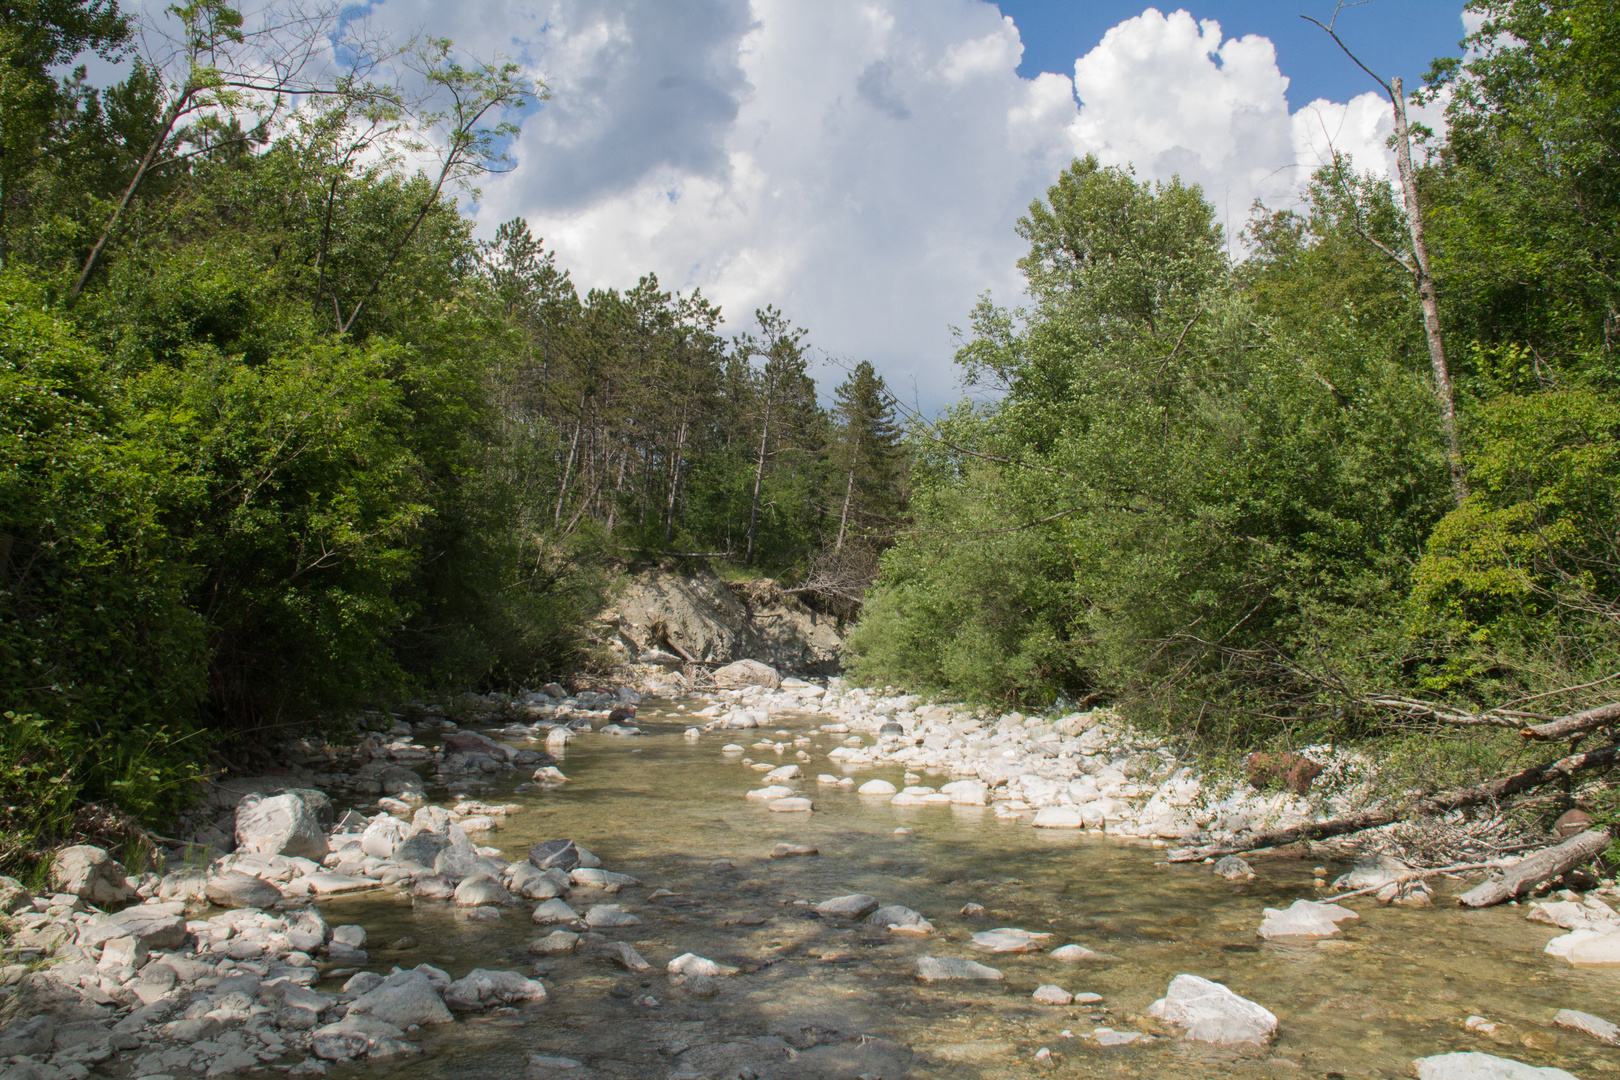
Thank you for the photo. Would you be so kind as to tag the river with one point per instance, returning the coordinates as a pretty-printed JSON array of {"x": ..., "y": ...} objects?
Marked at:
[{"x": 822, "y": 997}]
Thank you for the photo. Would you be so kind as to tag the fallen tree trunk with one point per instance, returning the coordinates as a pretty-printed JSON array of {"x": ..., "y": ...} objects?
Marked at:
[
  {"x": 1574, "y": 724},
  {"x": 1544, "y": 864},
  {"x": 1443, "y": 802}
]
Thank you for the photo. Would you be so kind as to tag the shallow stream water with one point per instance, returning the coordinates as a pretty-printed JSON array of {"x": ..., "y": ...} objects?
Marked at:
[{"x": 821, "y": 997}]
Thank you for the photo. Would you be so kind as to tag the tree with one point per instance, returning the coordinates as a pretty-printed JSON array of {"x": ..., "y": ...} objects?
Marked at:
[
  {"x": 777, "y": 384},
  {"x": 868, "y": 452}
]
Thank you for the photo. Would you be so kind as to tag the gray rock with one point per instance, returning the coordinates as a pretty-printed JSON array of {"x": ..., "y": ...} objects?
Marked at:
[
  {"x": 30, "y": 1035},
  {"x": 433, "y": 887},
  {"x": 1371, "y": 871},
  {"x": 157, "y": 926},
  {"x": 480, "y": 890},
  {"x": 351, "y": 935},
  {"x": 402, "y": 1000},
  {"x": 554, "y": 943},
  {"x": 609, "y": 915},
  {"x": 383, "y": 837},
  {"x": 13, "y": 897},
  {"x": 899, "y": 916},
  {"x": 481, "y": 989},
  {"x": 91, "y": 874},
  {"x": 554, "y": 911},
  {"x": 743, "y": 673},
  {"x": 1473, "y": 1066},
  {"x": 361, "y": 1036},
  {"x": 1232, "y": 867},
  {"x": 234, "y": 889},
  {"x": 561, "y": 854},
  {"x": 625, "y": 955},
  {"x": 279, "y": 825},
  {"x": 546, "y": 1063},
  {"x": 459, "y": 863},
  {"x": 853, "y": 906},
  {"x": 421, "y": 847},
  {"x": 526, "y": 881},
  {"x": 1209, "y": 1012},
  {"x": 937, "y": 968}
]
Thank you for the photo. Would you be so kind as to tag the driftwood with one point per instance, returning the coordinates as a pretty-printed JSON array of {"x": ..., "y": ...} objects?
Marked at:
[
  {"x": 1410, "y": 875},
  {"x": 1442, "y": 802},
  {"x": 1533, "y": 869}
]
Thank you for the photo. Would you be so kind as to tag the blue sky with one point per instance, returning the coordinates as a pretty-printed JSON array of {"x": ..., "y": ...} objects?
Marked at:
[{"x": 1393, "y": 37}]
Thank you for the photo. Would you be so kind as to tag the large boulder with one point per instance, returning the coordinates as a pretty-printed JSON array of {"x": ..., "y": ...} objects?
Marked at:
[
  {"x": 158, "y": 926},
  {"x": 91, "y": 874},
  {"x": 383, "y": 837},
  {"x": 743, "y": 673},
  {"x": 234, "y": 889},
  {"x": 402, "y": 1000},
  {"x": 1211, "y": 1013},
  {"x": 13, "y": 896},
  {"x": 472, "y": 742},
  {"x": 279, "y": 825}
]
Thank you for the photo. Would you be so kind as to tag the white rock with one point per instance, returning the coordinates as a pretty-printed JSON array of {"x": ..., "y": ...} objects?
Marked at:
[
  {"x": 1473, "y": 1066},
  {"x": 554, "y": 911},
  {"x": 1305, "y": 918},
  {"x": 876, "y": 787},
  {"x": 1595, "y": 1026},
  {"x": 1072, "y": 953},
  {"x": 1049, "y": 994},
  {"x": 1598, "y": 949},
  {"x": 788, "y": 806},
  {"x": 383, "y": 837},
  {"x": 1008, "y": 939},
  {"x": 774, "y": 791},
  {"x": 1059, "y": 817},
  {"x": 690, "y": 964},
  {"x": 784, "y": 772},
  {"x": 1212, "y": 1013},
  {"x": 280, "y": 825}
]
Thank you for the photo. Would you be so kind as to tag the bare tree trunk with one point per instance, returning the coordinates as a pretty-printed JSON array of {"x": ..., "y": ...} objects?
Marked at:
[
  {"x": 849, "y": 492},
  {"x": 165, "y": 126},
  {"x": 613, "y": 507},
  {"x": 1426, "y": 294},
  {"x": 573, "y": 447},
  {"x": 675, "y": 478},
  {"x": 1543, "y": 865},
  {"x": 759, "y": 478}
]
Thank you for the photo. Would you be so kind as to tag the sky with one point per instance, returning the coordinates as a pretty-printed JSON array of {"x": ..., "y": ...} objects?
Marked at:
[{"x": 861, "y": 164}]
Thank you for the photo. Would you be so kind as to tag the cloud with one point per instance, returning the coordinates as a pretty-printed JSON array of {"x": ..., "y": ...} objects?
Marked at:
[{"x": 861, "y": 163}]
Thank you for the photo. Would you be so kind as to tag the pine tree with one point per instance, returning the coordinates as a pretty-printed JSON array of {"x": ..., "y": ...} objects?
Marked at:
[{"x": 869, "y": 455}]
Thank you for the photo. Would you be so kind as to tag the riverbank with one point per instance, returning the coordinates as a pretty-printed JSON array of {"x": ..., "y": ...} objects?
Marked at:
[{"x": 718, "y": 875}]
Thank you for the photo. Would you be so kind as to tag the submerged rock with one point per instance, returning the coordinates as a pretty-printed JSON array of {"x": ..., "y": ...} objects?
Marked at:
[
  {"x": 938, "y": 968},
  {"x": 1231, "y": 867},
  {"x": 1474, "y": 1066},
  {"x": 1008, "y": 939},
  {"x": 853, "y": 906},
  {"x": 1305, "y": 918}
]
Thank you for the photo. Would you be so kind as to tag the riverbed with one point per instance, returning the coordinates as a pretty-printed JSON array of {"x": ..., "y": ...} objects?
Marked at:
[{"x": 826, "y": 997}]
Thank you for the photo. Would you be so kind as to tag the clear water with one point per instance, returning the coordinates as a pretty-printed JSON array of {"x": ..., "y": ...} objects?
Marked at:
[{"x": 1396, "y": 985}]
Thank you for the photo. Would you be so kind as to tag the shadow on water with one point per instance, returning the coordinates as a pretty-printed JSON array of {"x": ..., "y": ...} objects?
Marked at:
[{"x": 834, "y": 998}]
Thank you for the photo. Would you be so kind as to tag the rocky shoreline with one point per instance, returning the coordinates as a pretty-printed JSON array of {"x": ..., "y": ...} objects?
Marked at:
[{"x": 211, "y": 968}]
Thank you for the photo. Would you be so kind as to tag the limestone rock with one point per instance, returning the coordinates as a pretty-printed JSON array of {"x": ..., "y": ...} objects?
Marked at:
[
  {"x": 876, "y": 787},
  {"x": 1474, "y": 1066},
  {"x": 480, "y": 890},
  {"x": 1305, "y": 918},
  {"x": 279, "y": 825},
  {"x": 853, "y": 906},
  {"x": 1233, "y": 867},
  {"x": 156, "y": 926},
  {"x": 1212, "y": 1013},
  {"x": 402, "y": 1000},
  {"x": 1595, "y": 1026},
  {"x": 743, "y": 673},
  {"x": 937, "y": 968},
  {"x": 234, "y": 889},
  {"x": 1008, "y": 939},
  {"x": 690, "y": 964},
  {"x": 481, "y": 989},
  {"x": 91, "y": 874}
]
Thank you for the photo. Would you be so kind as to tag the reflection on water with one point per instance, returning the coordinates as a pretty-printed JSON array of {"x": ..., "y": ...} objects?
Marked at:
[{"x": 1397, "y": 984}]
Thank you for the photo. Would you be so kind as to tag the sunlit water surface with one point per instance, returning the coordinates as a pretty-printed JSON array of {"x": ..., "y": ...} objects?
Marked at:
[{"x": 838, "y": 999}]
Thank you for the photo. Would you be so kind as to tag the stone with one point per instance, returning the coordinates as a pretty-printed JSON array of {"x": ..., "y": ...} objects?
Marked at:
[
  {"x": 120, "y": 952},
  {"x": 1371, "y": 872},
  {"x": 937, "y": 968},
  {"x": 1209, "y": 1012},
  {"x": 325, "y": 883},
  {"x": 480, "y": 890},
  {"x": 770, "y": 792},
  {"x": 279, "y": 825},
  {"x": 554, "y": 910},
  {"x": 967, "y": 792},
  {"x": 1232, "y": 867},
  {"x": 481, "y": 989},
  {"x": 358, "y": 1037},
  {"x": 433, "y": 887},
  {"x": 473, "y": 742},
  {"x": 547, "y": 1063},
  {"x": 1595, "y": 1026},
  {"x": 900, "y": 919},
  {"x": 89, "y": 873},
  {"x": 1598, "y": 949},
  {"x": 554, "y": 943},
  {"x": 741, "y": 673},
  {"x": 1294, "y": 771},
  {"x": 526, "y": 881},
  {"x": 602, "y": 916},
  {"x": 1475, "y": 1066},
  {"x": 790, "y": 806},
  {"x": 1571, "y": 823},
  {"x": 784, "y": 772},
  {"x": 624, "y": 954},
  {"x": 1008, "y": 939},
  {"x": 690, "y": 965},
  {"x": 562, "y": 854},
  {"x": 351, "y": 935},
  {"x": 1047, "y": 994},
  {"x": 155, "y": 926},
  {"x": 876, "y": 787},
  {"x": 853, "y": 906},
  {"x": 1072, "y": 953},
  {"x": 402, "y": 1000},
  {"x": 594, "y": 878},
  {"x": 1059, "y": 817},
  {"x": 13, "y": 897},
  {"x": 383, "y": 837},
  {"x": 422, "y": 848},
  {"x": 1304, "y": 918},
  {"x": 234, "y": 889},
  {"x": 788, "y": 851}
]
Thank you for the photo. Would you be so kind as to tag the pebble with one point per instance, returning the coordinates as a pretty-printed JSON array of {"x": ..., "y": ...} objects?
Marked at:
[{"x": 1047, "y": 994}]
